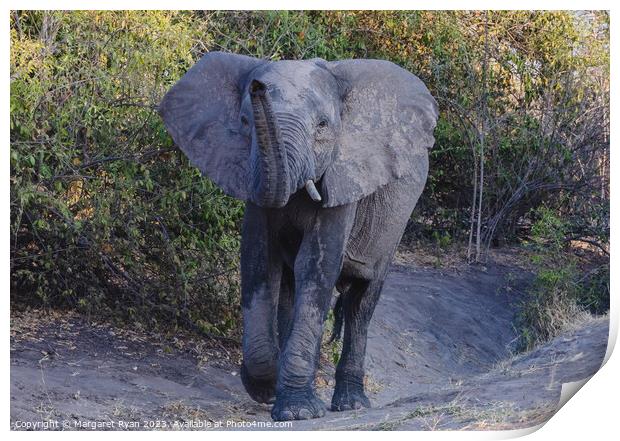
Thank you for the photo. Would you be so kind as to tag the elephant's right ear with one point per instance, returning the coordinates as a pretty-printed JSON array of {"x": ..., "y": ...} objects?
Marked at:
[{"x": 201, "y": 113}]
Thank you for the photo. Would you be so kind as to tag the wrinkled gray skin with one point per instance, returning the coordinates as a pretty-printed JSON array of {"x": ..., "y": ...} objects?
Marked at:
[{"x": 331, "y": 158}]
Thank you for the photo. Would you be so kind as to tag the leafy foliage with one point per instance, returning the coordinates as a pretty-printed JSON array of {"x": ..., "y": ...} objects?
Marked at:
[
  {"x": 565, "y": 287},
  {"x": 106, "y": 215}
]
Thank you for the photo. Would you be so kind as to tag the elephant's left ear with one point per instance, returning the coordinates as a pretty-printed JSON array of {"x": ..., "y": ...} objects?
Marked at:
[{"x": 388, "y": 118}]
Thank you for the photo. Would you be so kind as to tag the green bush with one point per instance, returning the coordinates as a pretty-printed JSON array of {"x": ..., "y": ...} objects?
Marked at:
[
  {"x": 564, "y": 289},
  {"x": 106, "y": 216}
]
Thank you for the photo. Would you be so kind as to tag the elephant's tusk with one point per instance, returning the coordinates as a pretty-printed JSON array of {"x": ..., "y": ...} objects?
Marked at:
[{"x": 312, "y": 191}]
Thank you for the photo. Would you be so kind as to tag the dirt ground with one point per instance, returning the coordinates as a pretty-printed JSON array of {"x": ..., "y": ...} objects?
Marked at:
[{"x": 440, "y": 357}]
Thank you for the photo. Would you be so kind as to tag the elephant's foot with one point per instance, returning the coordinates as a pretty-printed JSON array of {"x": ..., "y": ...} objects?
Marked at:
[
  {"x": 349, "y": 395},
  {"x": 261, "y": 390},
  {"x": 297, "y": 405}
]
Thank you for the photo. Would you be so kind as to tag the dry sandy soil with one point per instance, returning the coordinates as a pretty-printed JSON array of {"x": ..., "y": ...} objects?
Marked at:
[{"x": 440, "y": 357}]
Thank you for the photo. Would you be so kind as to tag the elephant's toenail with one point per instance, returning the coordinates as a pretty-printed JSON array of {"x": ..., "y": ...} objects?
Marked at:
[
  {"x": 286, "y": 415},
  {"x": 305, "y": 414}
]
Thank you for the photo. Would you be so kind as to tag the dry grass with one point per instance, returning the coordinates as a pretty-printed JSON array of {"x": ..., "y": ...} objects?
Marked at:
[
  {"x": 508, "y": 418},
  {"x": 463, "y": 415},
  {"x": 454, "y": 256},
  {"x": 32, "y": 324},
  {"x": 180, "y": 411}
]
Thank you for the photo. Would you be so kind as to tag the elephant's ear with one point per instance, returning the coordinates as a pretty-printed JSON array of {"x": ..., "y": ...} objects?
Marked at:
[
  {"x": 201, "y": 113},
  {"x": 388, "y": 118}
]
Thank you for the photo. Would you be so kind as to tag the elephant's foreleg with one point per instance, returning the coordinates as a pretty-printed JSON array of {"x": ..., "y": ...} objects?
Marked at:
[
  {"x": 285, "y": 305},
  {"x": 359, "y": 304},
  {"x": 261, "y": 269},
  {"x": 317, "y": 267}
]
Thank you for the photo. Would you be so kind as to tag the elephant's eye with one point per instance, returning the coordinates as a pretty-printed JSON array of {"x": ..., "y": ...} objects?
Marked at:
[
  {"x": 323, "y": 123},
  {"x": 244, "y": 121}
]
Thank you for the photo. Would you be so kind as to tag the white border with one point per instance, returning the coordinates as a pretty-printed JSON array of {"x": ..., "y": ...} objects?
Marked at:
[{"x": 593, "y": 414}]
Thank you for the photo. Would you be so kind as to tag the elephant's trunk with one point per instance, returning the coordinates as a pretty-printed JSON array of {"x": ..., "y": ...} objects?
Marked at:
[{"x": 270, "y": 171}]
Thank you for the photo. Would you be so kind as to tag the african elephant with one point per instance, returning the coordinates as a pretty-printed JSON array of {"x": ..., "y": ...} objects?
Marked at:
[{"x": 330, "y": 158}]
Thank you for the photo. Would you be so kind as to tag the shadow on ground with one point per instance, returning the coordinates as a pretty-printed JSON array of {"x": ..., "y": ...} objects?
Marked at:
[{"x": 439, "y": 357}]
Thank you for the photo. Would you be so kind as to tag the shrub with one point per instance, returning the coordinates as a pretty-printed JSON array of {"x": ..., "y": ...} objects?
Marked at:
[
  {"x": 564, "y": 290},
  {"x": 106, "y": 216}
]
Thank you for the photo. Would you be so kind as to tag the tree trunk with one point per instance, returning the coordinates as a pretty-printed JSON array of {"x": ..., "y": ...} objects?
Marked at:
[{"x": 482, "y": 133}]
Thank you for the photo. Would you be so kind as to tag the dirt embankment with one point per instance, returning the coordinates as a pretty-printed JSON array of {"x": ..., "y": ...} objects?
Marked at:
[{"x": 439, "y": 357}]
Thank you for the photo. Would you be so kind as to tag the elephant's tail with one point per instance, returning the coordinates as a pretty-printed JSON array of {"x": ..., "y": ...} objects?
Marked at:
[{"x": 338, "y": 320}]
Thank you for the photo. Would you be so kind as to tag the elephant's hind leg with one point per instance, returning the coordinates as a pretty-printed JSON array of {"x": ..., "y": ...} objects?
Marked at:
[{"x": 358, "y": 306}]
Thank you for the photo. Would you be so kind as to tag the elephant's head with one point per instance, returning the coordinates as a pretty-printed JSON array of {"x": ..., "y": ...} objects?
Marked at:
[{"x": 264, "y": 130}]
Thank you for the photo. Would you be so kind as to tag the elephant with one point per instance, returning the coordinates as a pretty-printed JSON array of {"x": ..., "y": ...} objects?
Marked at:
[{"x": 330, "y": 158}]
